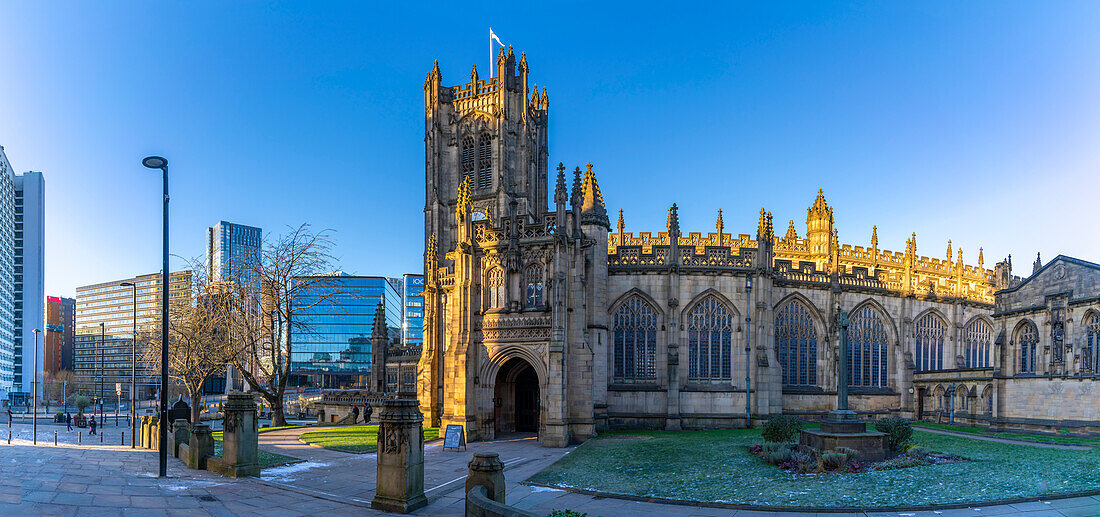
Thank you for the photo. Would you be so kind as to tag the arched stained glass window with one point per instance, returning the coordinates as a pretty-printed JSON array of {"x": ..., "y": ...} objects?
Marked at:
[
  {"x": 978, "y": 346},
  {"x": 796, "y": 344},
  {"x": 635, "y": 340},
  {"x": 469, "y": 162},
  {"x": 484, "y": 161},
  {"x": 494, "y": 289},
  {"x": 928, "y": 332},
  {"x": 867, "y": 345},
  {"x": 533, "y": 278},
  {"x": 710, "y": 340},
  {"x": 1091, "y": 364},
  {"x": 1027, "y": 338}
]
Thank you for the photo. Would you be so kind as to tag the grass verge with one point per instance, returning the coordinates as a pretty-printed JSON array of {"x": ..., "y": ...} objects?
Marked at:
[
  {"x": 1042, "y": 438},
  {"x": 357, "y": 439},
  {"x": 715, "y": 466},
  {"x": 264, "y": 458}
]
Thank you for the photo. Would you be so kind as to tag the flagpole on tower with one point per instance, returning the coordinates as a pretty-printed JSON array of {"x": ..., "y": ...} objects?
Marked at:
[{"x": 492, "y": 36}]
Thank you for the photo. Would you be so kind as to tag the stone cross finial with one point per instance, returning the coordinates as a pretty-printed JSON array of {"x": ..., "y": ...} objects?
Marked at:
[
  {"x": 949, "y": 249},
  {"x": 621, "y": 226},
  {"x": 720, "y": 225}
]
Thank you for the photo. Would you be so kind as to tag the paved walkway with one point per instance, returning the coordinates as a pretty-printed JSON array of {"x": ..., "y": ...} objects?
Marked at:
[
  {"x": 105, "y": 480},
  {"x": 987, "y": 438}
]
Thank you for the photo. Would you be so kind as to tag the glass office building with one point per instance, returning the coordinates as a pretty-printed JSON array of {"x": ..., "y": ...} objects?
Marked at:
[
  {"x": 230, "y": 248},
  {"x": 333, "y": 347},
  {"x": 412, "y": 322}
]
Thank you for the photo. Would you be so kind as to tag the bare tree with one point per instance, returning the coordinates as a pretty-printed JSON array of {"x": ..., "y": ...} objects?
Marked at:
[
  {"x": 266, "y": 301},
  {"x": 198, "y": 339}
]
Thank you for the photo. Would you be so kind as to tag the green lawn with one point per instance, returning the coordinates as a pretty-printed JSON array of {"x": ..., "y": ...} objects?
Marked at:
[
  {"x": 354, "y": 439},
  {"x": 1095, "y": 442},
  {"x": 264, "y": 458},
  {"x": 715, "y": 466}
]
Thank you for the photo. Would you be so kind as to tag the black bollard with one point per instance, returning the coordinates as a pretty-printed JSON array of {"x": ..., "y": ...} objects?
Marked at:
[
  {"x": 55, "y": 438},
  {"x": 80, "y": 437},
  {"x": 100, "y": 437}
]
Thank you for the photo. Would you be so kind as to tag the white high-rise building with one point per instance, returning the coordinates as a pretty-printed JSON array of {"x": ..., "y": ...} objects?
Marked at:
[
  {"x": 30, "y": 288},
  {"x": 7, "y": 276}
]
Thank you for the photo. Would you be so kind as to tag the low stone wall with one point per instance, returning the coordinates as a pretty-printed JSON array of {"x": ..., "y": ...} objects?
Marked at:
[{"x": 478, "y": 504}]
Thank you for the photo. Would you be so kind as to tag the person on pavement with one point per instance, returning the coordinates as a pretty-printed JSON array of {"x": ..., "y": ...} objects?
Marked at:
[
  {"x": 367, "y": 413},
  {"x": 91, "y": 424},
  {"x": 354, "y": 414},
  {"x": 68, "y": 421}
]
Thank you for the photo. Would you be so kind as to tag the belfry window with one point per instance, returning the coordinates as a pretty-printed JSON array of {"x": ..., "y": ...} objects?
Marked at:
[
  {"x": 1092, "y": 343},
  {"x": 635, "y": 340},
  {"x": 796, "y": 344},
  {"x": 978, "y": 345},
  {"x": 533, "y": 278},
  {"x": 710, "y": 340},
  {"x": 469, "y": 163},
  {"x": 867, "y": 345},
  {"x": 484, "y": 161},
  {"x": 494, "y": 289},
  {"x": 929, "y": 332},
  {"x": 1028, "y": 338}
]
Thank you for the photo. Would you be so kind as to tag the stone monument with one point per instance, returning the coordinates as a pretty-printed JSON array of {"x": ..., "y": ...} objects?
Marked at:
[
  {"x": 486, "y": 470},
  {"x": 400, "y": 475},
  {"x": 239, "y": 438},
  {"x": 200, "y": 448},
  {"x": 841, "y": 427}
]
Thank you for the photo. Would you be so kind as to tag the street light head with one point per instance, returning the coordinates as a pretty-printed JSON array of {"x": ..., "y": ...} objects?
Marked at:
[
  {"x": 155, "y": 162},
  {"x": 126, "y": 284}
]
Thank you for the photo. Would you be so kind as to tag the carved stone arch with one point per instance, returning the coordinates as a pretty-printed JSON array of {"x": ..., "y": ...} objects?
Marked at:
[
  {"x": 475, "y": 122},
  {"x": 697, "y": 299},
  {"x": 819, "y": 317},
  {"x": 503, "y": 354},
  {"x": 932, "y": 310},
  {"x": 979, "y": 317},
  {"x": 890, "y": 323},
  {"x": 1019, "y": 327},
  {"x": 645, "y": 296}
]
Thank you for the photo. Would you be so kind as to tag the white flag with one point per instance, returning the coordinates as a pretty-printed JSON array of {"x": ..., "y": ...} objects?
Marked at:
[{"x": 493, "y": 35}]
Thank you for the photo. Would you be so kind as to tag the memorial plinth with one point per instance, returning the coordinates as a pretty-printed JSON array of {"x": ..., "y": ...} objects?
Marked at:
[
  {"x": 239, "y": 438},
  {"x": 842, "y": 428}
]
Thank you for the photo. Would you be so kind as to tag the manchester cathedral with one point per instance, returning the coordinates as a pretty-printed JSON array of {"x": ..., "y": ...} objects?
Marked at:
[{"x": 544, "y": 314}]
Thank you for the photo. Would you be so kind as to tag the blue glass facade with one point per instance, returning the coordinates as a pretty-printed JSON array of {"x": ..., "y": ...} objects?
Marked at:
[
  {"x": 412, "y": 327},
  {"x": 336, "y": 339}
]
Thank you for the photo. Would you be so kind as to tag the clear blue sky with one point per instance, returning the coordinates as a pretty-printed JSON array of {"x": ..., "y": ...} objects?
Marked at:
[{"x": 974, "y": 121}]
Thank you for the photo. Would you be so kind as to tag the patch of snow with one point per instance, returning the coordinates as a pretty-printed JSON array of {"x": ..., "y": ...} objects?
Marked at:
[
  {"x": 537, "y": 489},
  {"x": 286, "y": 472}
]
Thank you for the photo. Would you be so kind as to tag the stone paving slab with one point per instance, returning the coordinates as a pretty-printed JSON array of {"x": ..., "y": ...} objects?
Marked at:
[{"x": 94, "y": 480}]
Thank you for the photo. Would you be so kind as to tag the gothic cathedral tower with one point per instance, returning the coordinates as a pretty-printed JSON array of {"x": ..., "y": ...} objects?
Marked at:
[{"x": 490, "y": 133}]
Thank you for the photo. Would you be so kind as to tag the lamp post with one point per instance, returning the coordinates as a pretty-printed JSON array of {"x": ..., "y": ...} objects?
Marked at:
[
  {"x": 133, "y": 366},
  {"x": 34, "y": 386},
  {"x": 156, "y": 162},
  {"x": 99, "y": 389},
  {"x": 748, "y": 349}
]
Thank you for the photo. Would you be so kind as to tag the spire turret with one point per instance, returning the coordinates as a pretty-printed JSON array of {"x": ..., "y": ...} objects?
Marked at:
[
  {"x": 575, "y": 200},
  {"x": 462, "y": 209},
  {"x": 981, "y": 257},
  {"x": 561, "y": 196},
  {"x": 622, "y": 225},
  {"x": 949, "y": 250},
  {"x": 473, "y": 74},
  {"x": 593, "y": 210},
  {"x": 874, "y": 238},
  {"x": 792, "y": 234},
  {"x": 720, "y": 225}
]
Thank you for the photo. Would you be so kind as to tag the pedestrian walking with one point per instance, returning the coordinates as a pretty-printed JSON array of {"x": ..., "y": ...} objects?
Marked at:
[
  {"x": 9, "y": 416},
  {"x": 91, "y": 424},
  {"x": 354, "y": 414},
  {"x": 366, "y": 414},
  {"x": 68, "y": 421}
]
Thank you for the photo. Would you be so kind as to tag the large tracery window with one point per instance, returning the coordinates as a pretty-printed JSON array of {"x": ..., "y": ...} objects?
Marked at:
[
  {"x": 867, "y": 345},
  {"x": 1092, "y": 343},
  {"x": 1028, "y": 338},
  {"x": 978, "y": 347},
  {"x": 484, "y": 161},
  {"x": 796, "y": 341},
  {"x": 494, "y": 289},
  {"x": 710, "y": 340},
  {"x": 469, "y": 162},
  {"x": 928, "y": 332},
  {"x": 635, "y": 340},
  {"x": 533, "y": 278}
]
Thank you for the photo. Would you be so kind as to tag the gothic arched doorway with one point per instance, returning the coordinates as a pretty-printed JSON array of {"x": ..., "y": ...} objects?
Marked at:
[{"x": 516, "y": 398}]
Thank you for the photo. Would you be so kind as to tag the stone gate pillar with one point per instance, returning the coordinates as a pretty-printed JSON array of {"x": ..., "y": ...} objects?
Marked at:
[
  {"x": 239, "y": 437},
  {"x": 400, "y": 475},
  {"x": 145, "y": 430}
]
